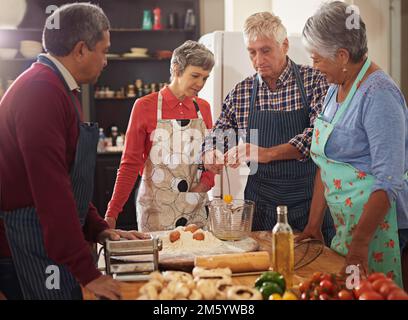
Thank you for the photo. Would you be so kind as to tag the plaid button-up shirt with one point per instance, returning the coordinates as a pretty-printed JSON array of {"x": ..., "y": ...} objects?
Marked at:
[{"x": 286, "y": 97}]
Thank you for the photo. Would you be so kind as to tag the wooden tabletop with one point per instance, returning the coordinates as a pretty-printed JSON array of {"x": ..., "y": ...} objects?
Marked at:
[{"x": 329, "y": 261}]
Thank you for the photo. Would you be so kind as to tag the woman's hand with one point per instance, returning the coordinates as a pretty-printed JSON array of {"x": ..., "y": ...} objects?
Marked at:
[
  {"x": 310, "y": 233},
  {"x": 201, "y": 187},
  {"x": 357, "y": 256},
  {"x": 111, "y": 222},
  {"x": 213, "y": 161}
]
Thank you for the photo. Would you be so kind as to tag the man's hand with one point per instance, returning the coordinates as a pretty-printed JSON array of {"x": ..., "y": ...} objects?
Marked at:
[
  {"x": 105, "y": 287},
  {"x": 114, "y": 234},
  {"x": 213, "y": 161},
  {"x": 111, "y": 222},
  {"x": 246, "y": 152}
]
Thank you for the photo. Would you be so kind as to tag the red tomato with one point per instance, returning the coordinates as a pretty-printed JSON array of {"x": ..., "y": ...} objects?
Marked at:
[
  {"x": 375, "y": 276},
  {"x": 377, "y": 284},
  {"x": 324, "y": 296},
  {"x": 345, "y": 295},
  {"x": 387, "y": 288},
  {"x": 398, "y": 295},
  {"x": 370, "y": 295},
  {"x": 316, "y": 277},
  {"x": 305, "y": 296},
  {"x": 326, "y": 276},
  {"x": 364, "y": 286},
  {"x": 304, "y": 286},
  {"x": 326, "y": 286}
]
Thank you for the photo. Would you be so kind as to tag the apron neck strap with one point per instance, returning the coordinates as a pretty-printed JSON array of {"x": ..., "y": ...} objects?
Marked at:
[
  {"x": 352, "y": 92},
  {"x": 159, "y": 106},
  {"x": 45, "y": 61}
]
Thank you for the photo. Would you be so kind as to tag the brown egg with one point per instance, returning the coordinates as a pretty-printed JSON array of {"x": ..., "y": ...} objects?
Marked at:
[
  {"x": 198, "y": 236},
  {"x": 174, "y": 236},
  {"x": 191, "y": 227}
]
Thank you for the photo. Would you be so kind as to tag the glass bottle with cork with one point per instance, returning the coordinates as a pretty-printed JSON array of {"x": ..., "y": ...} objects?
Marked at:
[{"x": 283, "y": 254}]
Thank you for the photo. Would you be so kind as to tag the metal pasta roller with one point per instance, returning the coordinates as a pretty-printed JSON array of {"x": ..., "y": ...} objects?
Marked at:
[{"x": 132, "y": 260}]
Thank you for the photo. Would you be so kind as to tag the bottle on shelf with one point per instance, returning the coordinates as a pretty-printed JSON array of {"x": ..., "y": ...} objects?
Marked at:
[
  {"x": 283, "y": 254},
  {"x": 114, "y": 134},
  {"x": 101, "y": 141},
  {"x": 157, "y": 19},
  {"x": 147, "y": 20},
  {"x": 189, "y": 22}
]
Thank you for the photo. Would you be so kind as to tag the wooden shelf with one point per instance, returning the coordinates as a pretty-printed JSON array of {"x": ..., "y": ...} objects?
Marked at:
[
  {"x": 159, "y": 31},
  {"x": 136, "y": 59},
  {"x": 111, "y": 30},
  {"x": 22, "y": 29}
]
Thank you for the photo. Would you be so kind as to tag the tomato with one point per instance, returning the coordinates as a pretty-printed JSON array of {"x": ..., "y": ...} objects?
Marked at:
[
  {"x": 370, "y": 295},
  {"x": 387, "y": 288},
  {"x": 377, "y": 284},
  {"x": 305, "y": 296},
  {"x": 304, "y": 286},
  {"x": 364, "y": 286},
  {"x": 317, "y": 291},
  {"x": 345, "y": 295},
  {"x": 398, "y": 295},
  {"x": 324, "y": 296},
  {"x": 327, "y": 277},
  {"x": 326, "y": 286},
  {"x": 316, "y": 277},
  {"x": 375, "y": 276}
]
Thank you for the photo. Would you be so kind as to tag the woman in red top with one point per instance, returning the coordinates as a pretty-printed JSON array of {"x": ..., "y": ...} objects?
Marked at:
[{"x": 163, "y": 143}]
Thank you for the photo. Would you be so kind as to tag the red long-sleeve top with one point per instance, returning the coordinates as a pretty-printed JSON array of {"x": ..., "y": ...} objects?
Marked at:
[
  {"x": 38, "y": 138},
  {"x": 143, "y": 121}
]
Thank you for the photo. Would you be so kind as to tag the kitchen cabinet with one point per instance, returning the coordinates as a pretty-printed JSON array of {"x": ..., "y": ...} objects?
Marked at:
[
  {"x": 107, "y": 165},
  {"x": 126, "y": 17}
]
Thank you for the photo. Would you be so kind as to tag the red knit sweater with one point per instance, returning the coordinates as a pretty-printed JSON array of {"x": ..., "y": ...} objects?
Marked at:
[{"x": 38, "y": 137}]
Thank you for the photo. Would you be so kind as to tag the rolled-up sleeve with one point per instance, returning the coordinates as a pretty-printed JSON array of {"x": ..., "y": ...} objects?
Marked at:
[
  {"x": 218, "y": 137},
  {"x": 384, "y": 122}
]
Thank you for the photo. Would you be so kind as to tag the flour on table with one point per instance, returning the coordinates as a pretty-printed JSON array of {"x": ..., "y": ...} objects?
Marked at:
[{"x": 187, "y": 245}]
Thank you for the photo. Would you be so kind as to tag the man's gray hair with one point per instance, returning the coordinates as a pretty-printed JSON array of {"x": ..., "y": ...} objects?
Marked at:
[
  {"x": 77, "y": 22},
  {"x": 329, "y": 30},
  {"x": 264, "y": 25},
  {"x": 191, "y": 53}
]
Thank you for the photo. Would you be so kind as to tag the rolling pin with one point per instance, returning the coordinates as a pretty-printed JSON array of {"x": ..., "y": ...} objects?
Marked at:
[{"x": 237, "y": 262}]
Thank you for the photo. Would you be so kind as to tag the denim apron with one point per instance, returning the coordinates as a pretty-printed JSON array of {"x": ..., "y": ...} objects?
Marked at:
[
  {"x": 163, "y": 200},
  {"x": 347, "y": 190},
  {"x": 288, "y": 182},
  {"x": 23, "y": 229}
]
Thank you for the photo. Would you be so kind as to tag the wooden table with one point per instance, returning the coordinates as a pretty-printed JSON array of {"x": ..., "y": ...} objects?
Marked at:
[{"x": 329, "y": 261}]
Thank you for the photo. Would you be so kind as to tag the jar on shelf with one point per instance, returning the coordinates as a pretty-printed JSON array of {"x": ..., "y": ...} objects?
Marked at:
[{"x": 131, "y": 91}]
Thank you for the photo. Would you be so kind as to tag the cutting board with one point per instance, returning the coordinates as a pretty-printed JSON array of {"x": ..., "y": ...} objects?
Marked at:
[{"x": 184, "y": 261}]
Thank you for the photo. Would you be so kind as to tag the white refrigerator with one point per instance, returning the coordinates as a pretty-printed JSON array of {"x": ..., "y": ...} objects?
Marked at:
[{"x": 232, "y": 65}]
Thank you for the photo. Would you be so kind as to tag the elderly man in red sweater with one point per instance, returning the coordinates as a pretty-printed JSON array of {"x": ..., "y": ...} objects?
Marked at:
[{"x": 47, "y": 161}]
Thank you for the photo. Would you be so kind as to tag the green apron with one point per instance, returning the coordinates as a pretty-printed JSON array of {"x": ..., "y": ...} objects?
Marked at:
[{"x": 347, "y": 190}]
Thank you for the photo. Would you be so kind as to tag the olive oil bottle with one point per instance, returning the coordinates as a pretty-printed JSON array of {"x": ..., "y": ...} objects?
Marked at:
[{"x": 283, "y": 255}]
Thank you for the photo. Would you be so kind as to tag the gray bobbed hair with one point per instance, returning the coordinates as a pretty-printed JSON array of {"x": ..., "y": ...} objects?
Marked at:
[
  {"x": 329, "y": 30},
  {"x": 77, "y": 22},
  {"x": 191, "y": 53}
]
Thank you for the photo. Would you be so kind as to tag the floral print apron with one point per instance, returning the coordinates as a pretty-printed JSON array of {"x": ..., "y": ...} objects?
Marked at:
[{"x": 347, "y": 190}]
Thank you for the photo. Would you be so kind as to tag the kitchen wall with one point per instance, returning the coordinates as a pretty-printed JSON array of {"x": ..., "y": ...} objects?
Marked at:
[
  {"x": 211, "y": 15},
  {"x": 374, "y": 12}
]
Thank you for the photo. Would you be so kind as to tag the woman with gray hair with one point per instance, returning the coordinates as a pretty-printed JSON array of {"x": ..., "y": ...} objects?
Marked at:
[
  {"x": 360, "y": 144},
  {"x": 163, "y": 141}
]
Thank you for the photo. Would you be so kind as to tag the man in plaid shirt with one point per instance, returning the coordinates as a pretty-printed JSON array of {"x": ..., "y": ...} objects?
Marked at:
[{"x": 279, "y": 104}]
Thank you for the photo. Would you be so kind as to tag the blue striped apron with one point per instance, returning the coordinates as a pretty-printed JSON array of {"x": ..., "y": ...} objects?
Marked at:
[
  {"x": 288, "y": 182},
  {"x": 23, "y": 229}
]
